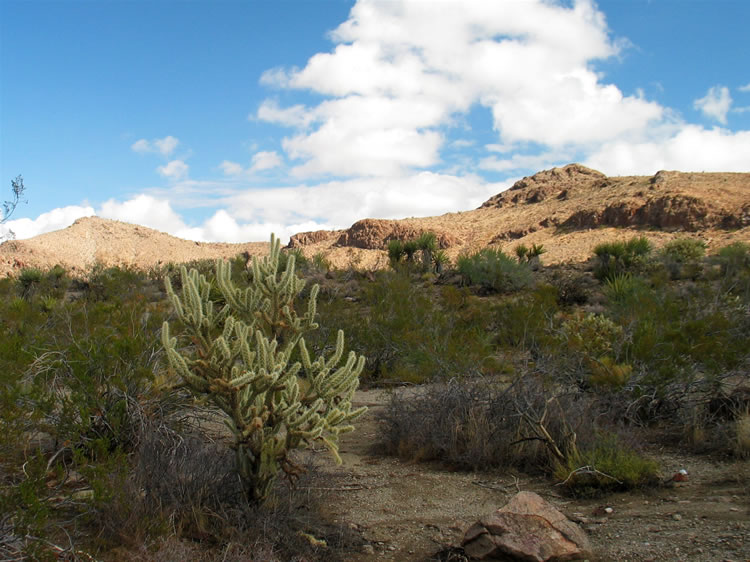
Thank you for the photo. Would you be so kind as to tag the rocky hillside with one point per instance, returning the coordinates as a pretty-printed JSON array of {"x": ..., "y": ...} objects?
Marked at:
[{"x": 568, "y": 209}]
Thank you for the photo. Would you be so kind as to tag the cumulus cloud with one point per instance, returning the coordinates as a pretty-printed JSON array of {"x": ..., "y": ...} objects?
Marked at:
[
  {"x": 231, "y": 168},
  {"x": 144, "y": 210},
  {"x": 518, "y": 162},
  {"x": 342, "y": 202},
  {"x": 47, "y": 222},
  {"x": 174, "y": 170},
  {"x": 402, "y": 72},
  {"x": 265, "y": 160},
  {"x": 690, "y": 148},
  {"x": 745, "y": 88},
  {"x": 715, "y": 104},
  {"x": 164, "y": 146}
]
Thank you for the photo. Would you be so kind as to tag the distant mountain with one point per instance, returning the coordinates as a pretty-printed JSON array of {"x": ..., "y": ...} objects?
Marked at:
[{"x": 568, "y": 209}]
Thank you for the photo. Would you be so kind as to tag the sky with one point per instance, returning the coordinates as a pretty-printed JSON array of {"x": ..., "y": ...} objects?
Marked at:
[{"x": 228, "y": 120}]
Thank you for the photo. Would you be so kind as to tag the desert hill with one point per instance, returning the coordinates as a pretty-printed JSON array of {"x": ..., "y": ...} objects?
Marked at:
[
  {"x": 92, "y": 240},
  {"x": 568, "y": 209}
]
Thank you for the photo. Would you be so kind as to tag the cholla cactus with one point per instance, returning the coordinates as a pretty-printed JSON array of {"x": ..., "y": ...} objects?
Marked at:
[{"x": 241, "y": 361}]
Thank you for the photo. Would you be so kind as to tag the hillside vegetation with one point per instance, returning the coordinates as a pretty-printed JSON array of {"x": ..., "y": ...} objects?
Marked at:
[{"x": 566, "y": 371}]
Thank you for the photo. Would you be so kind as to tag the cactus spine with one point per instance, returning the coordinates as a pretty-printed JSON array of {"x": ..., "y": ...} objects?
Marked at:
[{"x": 241, "y": 361}]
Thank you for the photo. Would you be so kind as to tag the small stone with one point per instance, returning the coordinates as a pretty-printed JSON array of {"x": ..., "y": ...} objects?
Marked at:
[
  {"x": 391, "y": 547},
  {"x": 368, "y": 549},
  {"x": 677, "y": 517}
]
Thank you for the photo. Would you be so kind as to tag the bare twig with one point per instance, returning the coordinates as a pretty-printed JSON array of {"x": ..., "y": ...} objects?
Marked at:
[{"x": 587, "y": 470}]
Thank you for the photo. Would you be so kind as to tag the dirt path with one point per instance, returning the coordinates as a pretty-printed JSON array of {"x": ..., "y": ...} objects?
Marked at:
[{"x": 412, "y": 511}]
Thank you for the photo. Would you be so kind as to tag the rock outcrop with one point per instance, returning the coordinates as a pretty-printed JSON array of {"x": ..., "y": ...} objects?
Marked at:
[
  {"x": 307, "y": 238},
  {"x": 557, "y": 182},
  {"x": 374, "y": 234}
]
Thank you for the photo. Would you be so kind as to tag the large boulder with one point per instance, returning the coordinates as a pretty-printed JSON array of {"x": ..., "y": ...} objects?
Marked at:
[{"x": 527, "y": 528}]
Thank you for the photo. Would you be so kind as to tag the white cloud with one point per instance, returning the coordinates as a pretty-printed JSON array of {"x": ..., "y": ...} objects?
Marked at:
[
  {"x": 144, "y": 210},
  {"x": 47, "y": 222},
  {"x": 231, "y": 168},
  {"x": 141, "y": 145},
  {"x": 715, "y": 104},
  {"x": 517, "y": 162},
  {"x": 690, "y": 148},
  {"x": 265, "y": 160},
  {"x": 342, "y": 202},
  {"x": 402, "y": 72},
  {"x": 164, "y": 146},
  {"x": 174, "y": 170},
  {"x": 745, "y": 88},
  {"x": 294, "y": 116}
]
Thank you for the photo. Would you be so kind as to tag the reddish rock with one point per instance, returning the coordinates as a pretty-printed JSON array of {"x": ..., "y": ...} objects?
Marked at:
[
  {"x": 527, "y": 528},
  {"x": 374, "y": 234}
]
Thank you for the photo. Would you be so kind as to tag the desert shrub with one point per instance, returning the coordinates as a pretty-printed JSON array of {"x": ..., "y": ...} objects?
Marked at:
[
  {"x": 521, "y": 251},
  {"x": 623, "y": 287},
  {"x": 529, "y": 424},
  {"x": 440, "y": 261},
  {"x": 734, "y": 268},
  {"x": 320, "y": 263},
  {"x": 112, "y": 284},
  {"x": 525, "y": 321},
  {"x": 614, "y": 258},
  {"x": 733, "y": 258},
  {"x": 27, "y": 279},
  {"x": 186, "y": 486},
  {"x": 572, "y": 289},
  {"x": 421, "y": 253},
  {"x": 408, "y": 331},
  {"x": 395, "y": 252},
  {"x": 682, "y": 257},
  {"x": 97, "y": 385},
  {"x": 606, "y": 465},
  {"x": 493, "y": 270},
  {"x": 529, "y": 255},
  {"x": 589, "y": 352},
  {"x": 677, "y": 335}
]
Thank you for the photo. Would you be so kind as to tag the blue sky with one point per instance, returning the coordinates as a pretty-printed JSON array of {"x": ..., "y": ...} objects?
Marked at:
[{"x": 226, "y": 121}]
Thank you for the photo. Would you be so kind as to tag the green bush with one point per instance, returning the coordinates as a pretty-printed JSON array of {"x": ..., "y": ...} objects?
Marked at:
[
  {"x": 408, "y": 331},
  {"x": 734, "y": 268},
  {"x": 623, "y": 287},
  {"x": 421, "y": 253},
  {"x": 493, "y": 270},
  {"x": 681, "y": 335},
  {"x": 682, "y": 257},
  {"x": 27, "y": 279},
  {"x": 607, "y": 465},
  {"x": 395, "y": 252},
  {"x": 525, "y": 322},
  {"x": 616, "y": 258}
]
